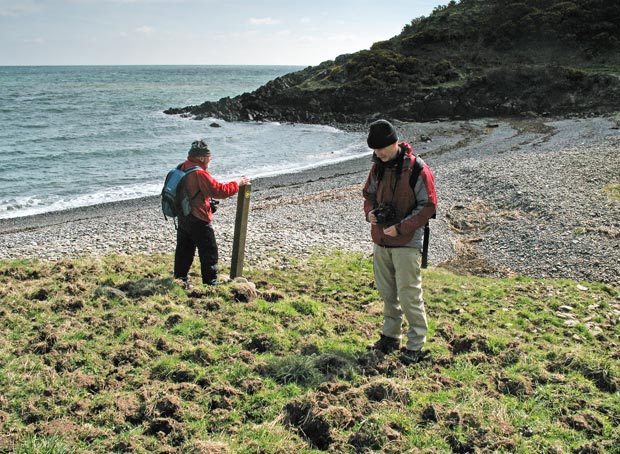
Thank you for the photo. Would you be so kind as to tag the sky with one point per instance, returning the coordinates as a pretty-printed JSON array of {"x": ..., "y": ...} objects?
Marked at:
[{"x": 197, "y": 32}]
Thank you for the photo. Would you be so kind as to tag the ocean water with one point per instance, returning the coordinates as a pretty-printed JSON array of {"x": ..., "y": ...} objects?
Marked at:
[{"x": 81, "y": 135}]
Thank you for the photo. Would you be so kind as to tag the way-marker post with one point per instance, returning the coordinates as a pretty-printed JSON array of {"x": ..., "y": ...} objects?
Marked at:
[{"x": 241, "y": 228}]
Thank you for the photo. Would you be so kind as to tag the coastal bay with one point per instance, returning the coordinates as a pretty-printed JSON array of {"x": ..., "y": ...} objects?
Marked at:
[{"x": 531, "y": 196}]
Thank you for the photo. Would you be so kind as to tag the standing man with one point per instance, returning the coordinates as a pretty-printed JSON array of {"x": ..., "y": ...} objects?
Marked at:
[
  {"x": 397, "y": 213},
  {"x": 195, "y": 230}
]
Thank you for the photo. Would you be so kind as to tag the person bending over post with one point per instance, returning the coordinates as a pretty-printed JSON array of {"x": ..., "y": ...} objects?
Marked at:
[{"x": 195, "y": 230}]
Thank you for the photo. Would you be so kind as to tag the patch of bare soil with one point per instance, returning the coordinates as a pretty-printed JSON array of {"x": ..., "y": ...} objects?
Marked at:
[
  {"x": 375, "y": 363},
  {"x": 310, "y": 421},
  {"x": 475, "y": 437},
  {"x": 386, "y": 391},
  {"x": 467, "y": 343},
  {"x": 270, "y": 294},
  {"x": 130, "y": 409},
  {"x": 46, "y": 341},
  {"x": 320, "y": 417},
  {"x": 69, "y": 430},
  {"x": 515, "y": 386},
  {"x": 161, "y": 415},
  {"x": 135, "y": 354},
  {"x": 584, "y": 422},
  {"x": 599, "y": 376},
  {"x": 209, "y": 447},
  {"x": 261, "y": 343},
  {"x": 224, "y": 398}
]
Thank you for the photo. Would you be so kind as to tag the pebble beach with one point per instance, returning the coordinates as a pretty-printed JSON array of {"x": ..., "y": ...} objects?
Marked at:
[{"x": 529, "y": 196}]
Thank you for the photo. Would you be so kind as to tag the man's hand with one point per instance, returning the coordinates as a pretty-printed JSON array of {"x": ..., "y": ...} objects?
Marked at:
[
  {"x": 391, "y": 231},
  {"x": 242, "y": 181}
]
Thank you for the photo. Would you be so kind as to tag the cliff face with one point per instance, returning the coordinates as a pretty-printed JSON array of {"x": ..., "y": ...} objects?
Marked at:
[{"x": 468, "y": 59}]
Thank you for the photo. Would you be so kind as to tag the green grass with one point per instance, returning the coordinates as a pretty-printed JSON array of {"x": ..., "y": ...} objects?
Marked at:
[
  {"x": 110, "y": 355},
  {"x": 613, "y": 192},
  {"x": 601, "y": 69}
]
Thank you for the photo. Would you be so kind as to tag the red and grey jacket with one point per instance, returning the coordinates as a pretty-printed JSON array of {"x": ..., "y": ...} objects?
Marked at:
[
  {"x": 204, "y": 186},
  {"x": 390, "y": 183}
]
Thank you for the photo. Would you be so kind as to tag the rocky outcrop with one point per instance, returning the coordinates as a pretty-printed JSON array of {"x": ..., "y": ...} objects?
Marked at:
[
  {"x": 455, "y": 64},
  {"x": 531, "y": 90}
]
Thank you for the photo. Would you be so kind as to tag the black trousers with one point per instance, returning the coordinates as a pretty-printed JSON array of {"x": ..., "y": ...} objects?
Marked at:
[{"x": 195, "y": 233}]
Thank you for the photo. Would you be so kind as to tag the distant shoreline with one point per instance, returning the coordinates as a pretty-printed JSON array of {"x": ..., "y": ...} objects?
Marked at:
[
  {"x": 46, "y": 219},
  {"x": 520, "y": 196}
]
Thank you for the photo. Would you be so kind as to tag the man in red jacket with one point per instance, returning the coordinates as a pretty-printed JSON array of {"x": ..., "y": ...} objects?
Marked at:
[
  {"x": 195, "y": 230},
  {"x": 397, "y": 213}
]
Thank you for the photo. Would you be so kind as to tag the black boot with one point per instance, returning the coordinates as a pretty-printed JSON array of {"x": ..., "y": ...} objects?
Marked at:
[{"x": 386, "y": 344}]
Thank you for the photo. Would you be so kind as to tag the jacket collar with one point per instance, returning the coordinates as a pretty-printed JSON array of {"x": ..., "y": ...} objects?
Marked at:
[
  {"x": 191, "y": 163},
  {"x": 404, "y": 150}
]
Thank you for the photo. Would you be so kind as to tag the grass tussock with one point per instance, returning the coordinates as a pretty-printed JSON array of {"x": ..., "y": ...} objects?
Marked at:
[
  {"x": 613, "y": 192},
  {"x": 111, "y": 355}
]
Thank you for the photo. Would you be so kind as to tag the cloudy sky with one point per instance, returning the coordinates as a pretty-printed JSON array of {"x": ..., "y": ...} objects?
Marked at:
[{"x": 270, "y": 32}]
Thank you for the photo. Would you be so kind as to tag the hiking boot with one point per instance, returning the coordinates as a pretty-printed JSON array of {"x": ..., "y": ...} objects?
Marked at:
[
  {"x": 385, "y": 344},
  {"x": 184, "y": 282},
  {"x": 411, "y": 356}
]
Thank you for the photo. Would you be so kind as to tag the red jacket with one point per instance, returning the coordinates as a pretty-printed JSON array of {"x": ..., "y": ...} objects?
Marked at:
[
  {"x": 202, "y": 183},
  {"x": 414, "y": 207}
]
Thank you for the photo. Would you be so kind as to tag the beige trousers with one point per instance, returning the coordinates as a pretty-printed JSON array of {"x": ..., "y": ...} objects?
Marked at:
[{"x": 398, "y": 276}]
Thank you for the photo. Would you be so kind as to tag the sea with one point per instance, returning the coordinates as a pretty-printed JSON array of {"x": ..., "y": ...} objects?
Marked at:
[{"x": 73, "y": 136}]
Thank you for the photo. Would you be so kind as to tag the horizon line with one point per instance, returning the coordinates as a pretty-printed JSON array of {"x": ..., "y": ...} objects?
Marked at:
[{"x": 145, "y": 64}]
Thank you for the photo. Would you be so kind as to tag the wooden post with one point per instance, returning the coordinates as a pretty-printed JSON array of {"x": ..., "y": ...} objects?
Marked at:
[{"x": 241, "y": 227}]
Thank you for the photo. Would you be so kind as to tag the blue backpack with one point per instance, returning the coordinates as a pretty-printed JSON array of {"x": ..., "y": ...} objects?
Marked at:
[{"x": 174, "y": 199}]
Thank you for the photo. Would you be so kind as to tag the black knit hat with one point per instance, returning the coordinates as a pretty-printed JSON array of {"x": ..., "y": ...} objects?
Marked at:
[
  {"x": 199, "y": 148},
  {"x": 381, "y": 134}
]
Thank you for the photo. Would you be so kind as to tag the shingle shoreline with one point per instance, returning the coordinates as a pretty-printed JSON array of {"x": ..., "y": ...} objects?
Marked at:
[{"x": 526, "y": 196}]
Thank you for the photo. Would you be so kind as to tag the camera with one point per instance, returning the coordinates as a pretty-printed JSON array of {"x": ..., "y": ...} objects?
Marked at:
[
  {"x": 385, "y": 213},
  {"x": 214, "y": 203}
]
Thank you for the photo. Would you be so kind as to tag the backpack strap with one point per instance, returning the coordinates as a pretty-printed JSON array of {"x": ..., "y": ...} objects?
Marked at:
[
  {"x": 416, "y": 169},
  {"x": 192, "y": 169}
]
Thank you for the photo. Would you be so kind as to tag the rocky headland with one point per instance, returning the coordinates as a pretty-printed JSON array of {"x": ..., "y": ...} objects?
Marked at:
[{"x": 470, "y": 59}]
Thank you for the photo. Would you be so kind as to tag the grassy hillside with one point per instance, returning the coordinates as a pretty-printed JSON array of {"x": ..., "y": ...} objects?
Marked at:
[
  {"x": 110, "y": 355},
  {"x": 466, "y": 38},
  {"x": 468, "y": 59}
]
